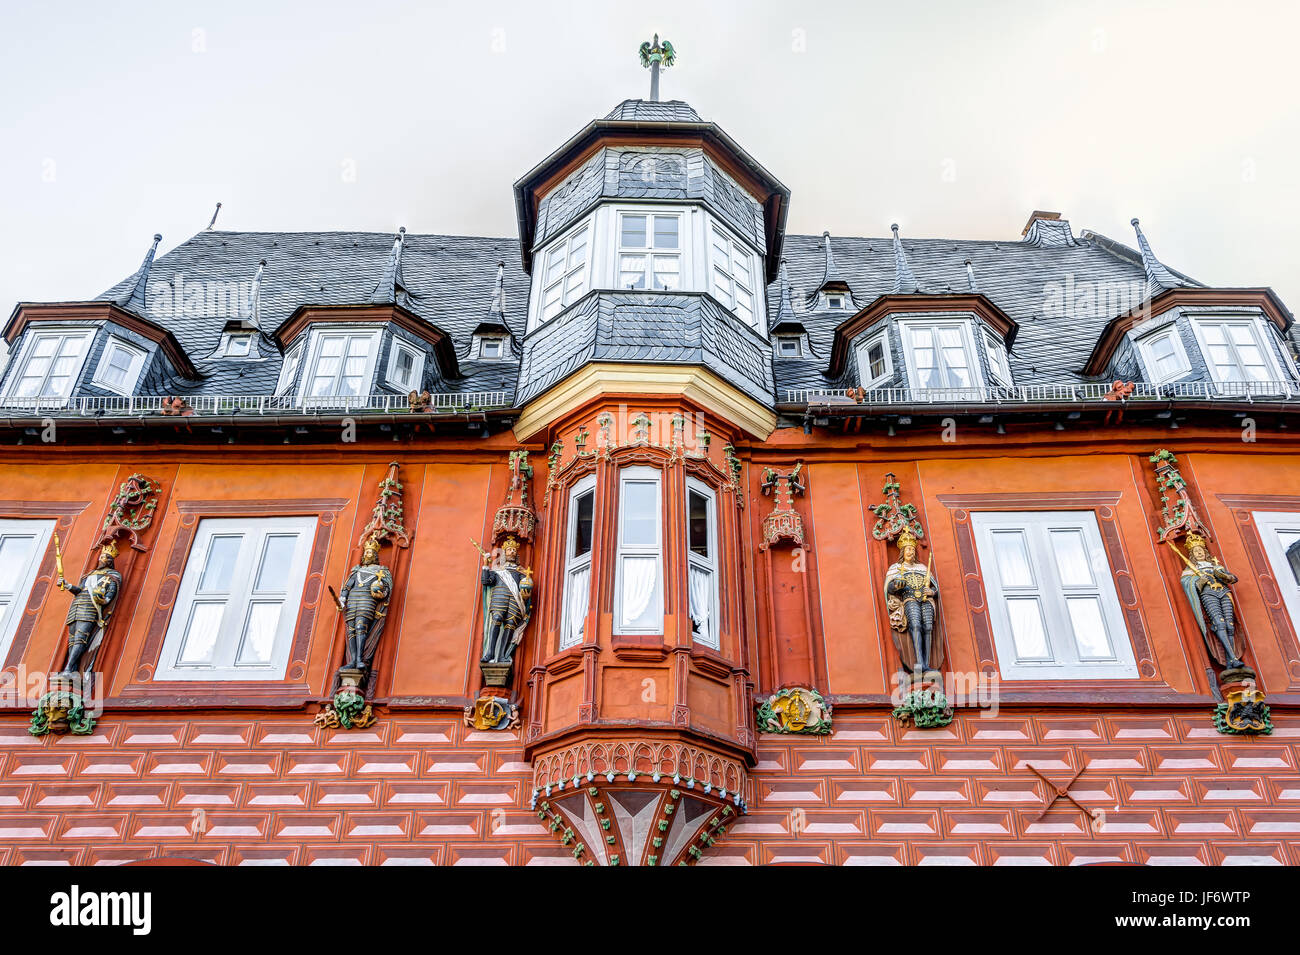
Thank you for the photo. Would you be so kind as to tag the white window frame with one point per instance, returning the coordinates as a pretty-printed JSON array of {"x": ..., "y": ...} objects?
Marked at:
[
  {"x": 783, "y": 340},
  {"x": 655, "y": 606},
  {"x": 417, "y": 365},
  {"x": 564, "y": 244},
  {"x": 308, "y": 371},
  {"x": 907, "y": 328},
  {"x": 289, "y": 367},
  {"x": 725, "y": 291},
  {"x": 999, "y": 364},
  {"x": 137, "y": 356},
  {"x": 577, "y": 592},
  {"x": 229, "y": 338},
  {"x": 1271, "y": 524},
  {"x": 712, "y": 637},
  {"x": 844, "y": 300},
  {"x": 1064, "y": 662},
  {"x": 238, "y": 599},
  {"x": 649, "y": 252},
  {"x": 11, "y": 612},
  {"x": 1270, "y": 359},
  {"x": 1145, "y": 346},
  {"x": 864, "y": 360},
  {"x": 502, "y": 340},
  {"x": 36, "y": 334}
]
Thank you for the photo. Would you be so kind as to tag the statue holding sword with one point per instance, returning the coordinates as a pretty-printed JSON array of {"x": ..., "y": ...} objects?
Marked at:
[
  {"x": 92, "y": 607},
  {"x": 1205, "y": 582}
]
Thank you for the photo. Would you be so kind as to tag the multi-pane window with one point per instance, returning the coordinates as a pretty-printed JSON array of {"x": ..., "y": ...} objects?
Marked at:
[
  {"x": 874, "y": 364},
  {"x": 702, "y": 562},
  {"x": 1234, "y": 350},
  {"x": 238, "y": 600},
  {"x": 649, "y": 251},
  {"x": 50, "y": 365},
  {"x": 996, "y": 351},
  {"x": 564, "y": 276},
  {"x": 638, "y": 583},
  {"x": 119, "y": 366},
  {"x": 577, "y": 561},
  {"x": 939, "y": 354},
  {"x": 289, "y": 368},
  {"x": 1051, "y": 596},
  {"x": 1280, "y": 531},
  {"x": 732, "y": 268},
  {"x": 789, "y": 346},
  {"x": 342, "y": 365},
  {"x": 1164, "y": 356},
  {"x": 405, "y": 365},
  {"x": 22, "y": 542}
]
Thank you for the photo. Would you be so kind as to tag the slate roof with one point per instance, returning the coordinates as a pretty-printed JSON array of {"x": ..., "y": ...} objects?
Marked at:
[
  {"x": 1017, "y": 276},
  {"x": 449, "y": 281},
  {"x": 651, "y": 111}
]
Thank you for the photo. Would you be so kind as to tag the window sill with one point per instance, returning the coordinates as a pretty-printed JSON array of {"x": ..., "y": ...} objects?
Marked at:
[
  {"x": 213, "y": 693},
  {"x": 634, "y": 646}
]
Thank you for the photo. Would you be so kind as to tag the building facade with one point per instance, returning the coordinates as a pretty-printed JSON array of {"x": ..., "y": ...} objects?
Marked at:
[{"x": 653, "y": 535}]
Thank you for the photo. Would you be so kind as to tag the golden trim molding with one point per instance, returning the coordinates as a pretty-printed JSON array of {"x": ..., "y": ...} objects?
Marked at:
[{"x": 692, "y": 383}]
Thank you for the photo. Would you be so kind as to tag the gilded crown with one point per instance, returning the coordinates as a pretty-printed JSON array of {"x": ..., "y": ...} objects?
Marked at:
[
  {"x": 1194, "y": 540},
  {"x": 109, "y": 549},
  {"x": 906, "y": 538}
]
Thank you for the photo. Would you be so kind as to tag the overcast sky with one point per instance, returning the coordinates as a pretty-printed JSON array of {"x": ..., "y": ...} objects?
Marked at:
[{"x": 954, "y": 118}]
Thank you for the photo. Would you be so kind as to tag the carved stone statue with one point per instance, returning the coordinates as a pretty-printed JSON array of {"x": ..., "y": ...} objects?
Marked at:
[
  {"x": 1205, "y": 581},
  {"x": 507, "y": 605},
  {"x": 912, "y": 597},
  {"x": 92, "y": 607},
  {"x": 364, "y": 603}
]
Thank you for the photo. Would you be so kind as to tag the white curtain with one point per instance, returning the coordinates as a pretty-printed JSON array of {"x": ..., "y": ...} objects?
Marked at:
[
  {"x": 638, "y": 587},
  {"x": 579, "y": 590},
  {"x": 701, "y": 579}
]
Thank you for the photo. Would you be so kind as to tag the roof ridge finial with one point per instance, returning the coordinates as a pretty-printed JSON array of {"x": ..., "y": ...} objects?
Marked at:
[
  {"x": 137, "y": 298},
  {"x": 499, "y": 292},
  {"x": 392, "y": 286},
  {"x": 970, "y": 277},
  {"x": 904, "y": 280},
  {"x": 253, "y": 307},
  {"x": 213, "y": 221},
  {"x": 830, "y": 256},
  {"x": 1159, "y": 278},
  {"x": 784, "y": 311},
  {"x": 653, "y": 56}
]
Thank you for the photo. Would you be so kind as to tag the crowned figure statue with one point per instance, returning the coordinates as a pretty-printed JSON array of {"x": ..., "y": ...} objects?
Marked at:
[
  {"x": 912, "y": 598},
  {"x": 364, "y": 600},
  {"x": 507, "y": 606},
  {"x": 1205, "y": 582},
  {"x": 92, "y": 607}
]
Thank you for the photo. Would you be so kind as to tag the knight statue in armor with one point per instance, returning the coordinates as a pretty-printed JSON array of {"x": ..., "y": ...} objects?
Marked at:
[
  {"x": 912, "y": 598},
  {"x": 364, "y": 601},
  {"x": 507, "y": 602},
  {"x": 92, "y": 607},
  {"x": 1205, "y": 581}
]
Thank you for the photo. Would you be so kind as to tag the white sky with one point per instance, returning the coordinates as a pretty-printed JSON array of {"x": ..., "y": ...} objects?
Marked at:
[{"x": 952, "y": 117}]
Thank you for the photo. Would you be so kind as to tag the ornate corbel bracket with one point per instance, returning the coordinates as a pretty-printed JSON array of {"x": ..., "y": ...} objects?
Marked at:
[
  {"x": 784, "y": 522},
  {"x": 893, "y": 516}
]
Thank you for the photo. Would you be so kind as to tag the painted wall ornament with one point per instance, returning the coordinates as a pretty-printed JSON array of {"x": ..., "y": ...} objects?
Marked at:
[
  {"x": 1178, "y": 514},
  {"x": 893, "y": 516},
  {"x": 1243, "y": 711},
  {"x": 491, "y": 712},
  {"x": 784, "y": 522},
  {"x": 515, "y": 517},
  {"x": 132, "y": 510},
  {"x": 795, "y": 710}
]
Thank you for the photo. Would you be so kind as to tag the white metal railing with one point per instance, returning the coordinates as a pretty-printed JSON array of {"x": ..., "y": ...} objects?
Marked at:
[
  {"x": 251, "y": 405},
  {"x": 1049, "y": 393}
]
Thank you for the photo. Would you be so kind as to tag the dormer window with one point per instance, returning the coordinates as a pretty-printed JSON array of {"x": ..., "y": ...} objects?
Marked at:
[
  {"x": 341, "y": 363},
  {"x": 237, "y": 345},
  {"x": 405, "y": 366},
  {"x": 999, "y": 367},
  {"x": 939, "y": 354},
  {"x": 119, "y": 366},
  {"x": 1164, "y": 356},
  {"x": 789, "y": 346},
  {"x": 49, "y": 364},
  {"x": 834, "y": 300},
  {"x": 733, "y": 274},
  {"x": 492, "y": 347},
  {"x": 649, "y": 251}
]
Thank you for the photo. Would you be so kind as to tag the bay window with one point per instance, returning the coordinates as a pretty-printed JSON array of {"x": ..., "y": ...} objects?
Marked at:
[
  {"x": 1164, "y": 356},
  {"x": 702, "y": 562},
  {"x": 577, "y": 561},
  {"x": 49, "y": 365},
  {"x": 342, "y": 365},
  {"x": 875, "y": 367},
  {"x": 732, "y": 268},
  {"x": 119, "y": 366},
  {"x": 565, "y": 272},
  {"x": 649, "y": 251},
  {"x": 1051, "y": 596},
  {"x": 289, "y": 368},
  {"x": 238, "y": 600},
  {"x": 1235, "y": 351},
  {"x": 638, "y": 562},
  {"x": 22, "y": 544},
  {"x": 999, "y": 368},
  {"x": 405, "y": 366}
]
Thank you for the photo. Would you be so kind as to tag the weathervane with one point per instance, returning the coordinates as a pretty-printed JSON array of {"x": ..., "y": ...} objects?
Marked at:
[{"x": 653, "y": 55}]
